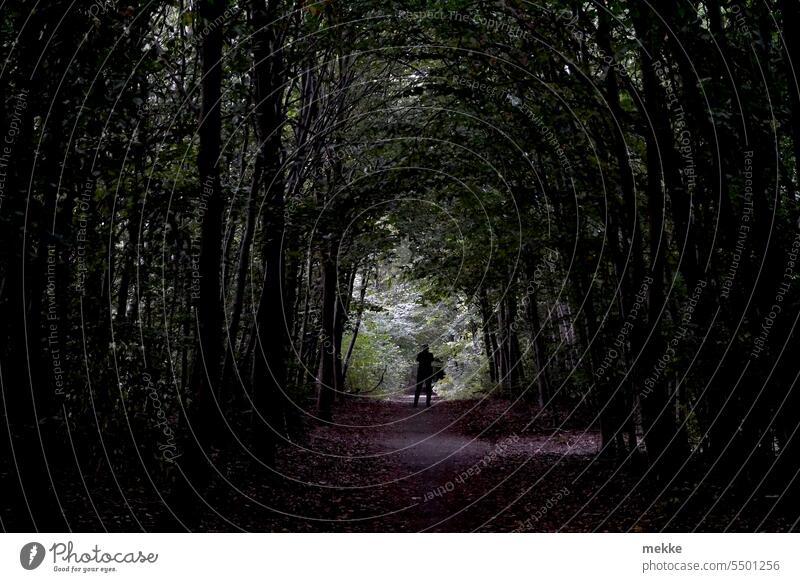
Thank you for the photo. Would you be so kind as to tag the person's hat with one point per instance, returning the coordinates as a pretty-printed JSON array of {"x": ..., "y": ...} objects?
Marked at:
[{"x": 425, "y": 346}]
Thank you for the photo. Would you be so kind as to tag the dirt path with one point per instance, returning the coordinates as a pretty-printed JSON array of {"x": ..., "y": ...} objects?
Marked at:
[
  {"x": 457, "y": 466},
  {"x": 436, "y": 461}
]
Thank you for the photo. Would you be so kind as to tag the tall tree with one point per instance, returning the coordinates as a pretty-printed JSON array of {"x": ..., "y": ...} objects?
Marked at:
[{"x": 269, "y": 74}]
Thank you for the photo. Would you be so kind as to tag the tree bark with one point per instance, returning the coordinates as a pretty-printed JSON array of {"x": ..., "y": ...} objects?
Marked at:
[
  {"x": 539, "y": 354},
  {"x": 208, "y": 309},
  {"x": 270, "y": 364},
  {"x": 357, "y": 325},
  {"x": 662, "y": 439},
  {"x": 791, "y": 21},
  {"x": 326, "y": 376},
  {"x": 241, "y": 273},
  {"x": 487, "y": 341}
]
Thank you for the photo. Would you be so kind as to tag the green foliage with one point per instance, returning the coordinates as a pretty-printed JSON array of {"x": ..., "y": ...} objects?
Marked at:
[{"x": 401, "y": 315}]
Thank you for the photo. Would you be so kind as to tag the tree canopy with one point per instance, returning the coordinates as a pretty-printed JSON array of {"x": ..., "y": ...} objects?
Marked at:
[{"x": 225, "y": 221}]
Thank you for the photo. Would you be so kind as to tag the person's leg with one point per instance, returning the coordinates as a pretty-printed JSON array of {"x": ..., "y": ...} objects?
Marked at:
[
  {"x": 428, "y": 391},
  {"x": 416, "y": 393}
]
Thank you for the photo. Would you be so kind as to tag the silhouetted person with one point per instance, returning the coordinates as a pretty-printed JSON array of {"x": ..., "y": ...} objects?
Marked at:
[{"x": 424, "y": 375}]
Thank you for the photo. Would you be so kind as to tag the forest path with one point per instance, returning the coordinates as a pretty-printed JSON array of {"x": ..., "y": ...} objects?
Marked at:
[
  {"x": 462, "y": 465},
  {"x": 459, "y": 466},
  {"x": 436, "y": 458}
]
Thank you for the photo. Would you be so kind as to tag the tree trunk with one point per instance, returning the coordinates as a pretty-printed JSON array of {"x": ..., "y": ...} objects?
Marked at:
[
  {"x": 270, "y": 364},
  {"x": 326, "y": 375},
  {"x": 339, "y": 321},
  {"x": 539, "y": 354},
  {"x": 503, "y": 367},
  {"x": 127, "y": 261},
  {"x": 359, "y": 314},
  {"x": 241, "y": 274},
  {"x": 516, "y": 371},
  {"x": 208, "y": 310},
  {"x": 791, "y": 21},
  {"x": 487, "y": 341},
  {"x": 657, "y": 406},
  {"x": 301, "y": 364}
]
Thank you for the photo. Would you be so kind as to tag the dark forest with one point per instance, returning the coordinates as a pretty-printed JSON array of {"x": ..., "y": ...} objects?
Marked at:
[{"x": 229, "y": 227}]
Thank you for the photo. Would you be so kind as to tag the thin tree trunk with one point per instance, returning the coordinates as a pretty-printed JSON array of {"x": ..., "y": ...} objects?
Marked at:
[
  {"x": 127, "y": 262},
  {"x": 359, "y": 314},
  {"x": 300, "y": 337},
  {"x": 342, "y": 315},
  {"x": 539, "y": 354},
  {"x": 515, "y": 361},
  {"x": 326, "y": 376},
  {"x": 241, "y": 273},
  {"x": 487, "y": 341}
]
